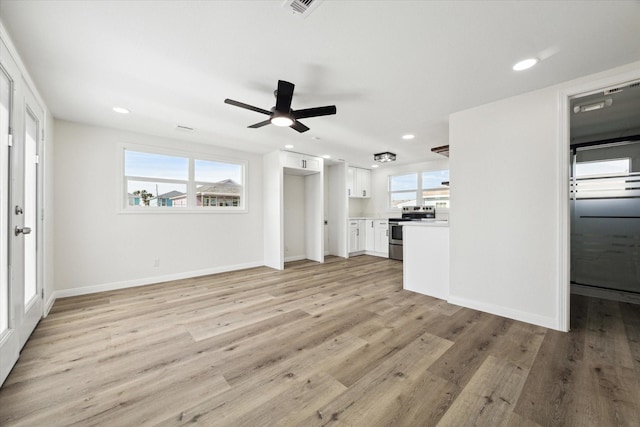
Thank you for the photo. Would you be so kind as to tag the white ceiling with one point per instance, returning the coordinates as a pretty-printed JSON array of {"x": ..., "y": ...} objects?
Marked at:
[{"x": 390, "y": 67}]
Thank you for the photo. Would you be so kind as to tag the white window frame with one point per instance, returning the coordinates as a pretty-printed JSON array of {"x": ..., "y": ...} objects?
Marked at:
[
  {"x": 123, "y": 196},
  {"x": 419, "y": 190}
]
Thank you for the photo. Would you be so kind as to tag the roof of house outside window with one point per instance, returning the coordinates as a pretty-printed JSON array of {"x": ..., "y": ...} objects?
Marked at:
[{"x": 221, "y": 188}]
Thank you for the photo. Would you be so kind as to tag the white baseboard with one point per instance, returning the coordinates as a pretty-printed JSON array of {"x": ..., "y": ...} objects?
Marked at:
[
  {"x": 49, "y": 304},
  {"x": 522, "y": 316},
  {"x": 147, "y": 281},
  {"x": 294, "y": 258},
  {"x": 379, "y": 254}
]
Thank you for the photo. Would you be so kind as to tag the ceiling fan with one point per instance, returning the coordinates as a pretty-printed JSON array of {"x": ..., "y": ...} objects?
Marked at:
[{"x": 282, "y": 114}]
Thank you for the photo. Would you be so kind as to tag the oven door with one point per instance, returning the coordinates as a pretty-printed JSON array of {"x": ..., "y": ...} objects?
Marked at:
[{"x": 395, "y": 233}]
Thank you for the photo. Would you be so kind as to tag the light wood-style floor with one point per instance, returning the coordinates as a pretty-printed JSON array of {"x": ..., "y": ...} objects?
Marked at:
[{"x": 338, "y": 343}]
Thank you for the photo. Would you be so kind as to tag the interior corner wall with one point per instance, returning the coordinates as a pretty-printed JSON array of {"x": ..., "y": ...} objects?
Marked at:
[
  {"x": 504, "y": 185},
  {"x": 99, "y": 248}
]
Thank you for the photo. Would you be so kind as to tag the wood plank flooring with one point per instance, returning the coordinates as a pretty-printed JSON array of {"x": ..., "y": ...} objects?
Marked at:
[{"x": 339, "y": 343}]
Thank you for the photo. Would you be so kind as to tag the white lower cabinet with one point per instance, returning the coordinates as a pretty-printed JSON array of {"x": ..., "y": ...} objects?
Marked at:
[
  {"x": 370, "y": 236},
  {"x": 356, "y": 235},
  {"x": 381, "y": 236}
]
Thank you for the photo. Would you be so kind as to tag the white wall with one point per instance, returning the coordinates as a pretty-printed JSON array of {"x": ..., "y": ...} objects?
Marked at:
[
  {"x": 337, "y": 206},
  {"x": 97, "y": 247},
  {"x": 509, "y": 202},
  {"x": 504, "y": 183},
  {"x": 49, "y": 196},
  {"x": 294, "y": 217}
]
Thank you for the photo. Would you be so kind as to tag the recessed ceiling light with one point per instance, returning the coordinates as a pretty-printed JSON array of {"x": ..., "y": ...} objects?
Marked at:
[
  {"x": 288, "y": 146},
  {"x": 120, "y": 110},
  {"x": 525, "y": 64},
  {"x": 375, "y": 166},
  {"x": 326, "y": 156},
  {"x": 315, "y": 137},
  {"x": 408, "y": 136}
]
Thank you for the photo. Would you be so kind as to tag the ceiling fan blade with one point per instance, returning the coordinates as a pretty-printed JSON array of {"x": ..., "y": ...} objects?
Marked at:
[
  {"x": 299, "y": 127},
  {"x": 246, "y": 106},
  {"x": 314, "y": 112},
  {"x": 284, "y": 96},
  {"x": 259, "y": 125}
]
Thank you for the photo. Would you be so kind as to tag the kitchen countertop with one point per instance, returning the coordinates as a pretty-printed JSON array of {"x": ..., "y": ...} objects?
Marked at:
[
  {"x": 423, "y": 223},
  {"x": 369, "y": 217}
]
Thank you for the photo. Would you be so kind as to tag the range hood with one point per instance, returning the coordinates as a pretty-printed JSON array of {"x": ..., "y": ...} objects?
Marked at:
[{"x": 444, "y": 150}]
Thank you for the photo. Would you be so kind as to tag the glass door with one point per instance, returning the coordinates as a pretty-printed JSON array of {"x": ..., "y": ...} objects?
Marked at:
[
  {"x": 25, "y": 283},
  {"x": 21, "y": 302},
  {"x": 605, "y": 216},
  {"x": 9, "y": 343}
]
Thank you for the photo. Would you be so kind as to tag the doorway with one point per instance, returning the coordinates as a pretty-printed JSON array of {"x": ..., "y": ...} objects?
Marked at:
[{"x": 605, "y": 192}]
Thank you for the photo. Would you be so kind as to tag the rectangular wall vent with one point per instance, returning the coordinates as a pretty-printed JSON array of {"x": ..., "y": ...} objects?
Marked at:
[
  {"x": 610, "y": 91},
  {"x": 301, "y": 7}
]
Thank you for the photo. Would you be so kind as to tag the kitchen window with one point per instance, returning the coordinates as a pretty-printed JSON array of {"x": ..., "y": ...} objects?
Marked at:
[
  {"x": 419, "y": 189},
  {"x": 155, "y": 181}
]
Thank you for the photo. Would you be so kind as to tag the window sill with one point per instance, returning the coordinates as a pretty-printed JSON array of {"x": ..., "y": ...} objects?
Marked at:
[{"x": 180, "y": 211}]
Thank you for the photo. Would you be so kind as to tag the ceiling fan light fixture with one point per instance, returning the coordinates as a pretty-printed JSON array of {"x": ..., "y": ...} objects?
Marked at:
[
  {"x": 384, "y": 157},
  {"x": 282, "y": 121}
]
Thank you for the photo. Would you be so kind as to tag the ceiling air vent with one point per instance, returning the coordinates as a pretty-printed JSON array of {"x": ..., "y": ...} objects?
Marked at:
[
  {"x": 301, "y": 7},
  {"x": 185, "y": 128}
]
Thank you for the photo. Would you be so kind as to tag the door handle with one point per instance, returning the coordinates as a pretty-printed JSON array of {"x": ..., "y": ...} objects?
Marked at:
[{"x": 23, "y": 230}]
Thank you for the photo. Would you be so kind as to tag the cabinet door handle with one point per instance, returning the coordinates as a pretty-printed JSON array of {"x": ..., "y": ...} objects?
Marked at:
[
  {"x": 357, "y": 231},
  {"x": 348, "y": 191},
  {"x": 387, "y": 233},
  {"x": 371, "y": 224},
  {"x": 364, "y": 193}
]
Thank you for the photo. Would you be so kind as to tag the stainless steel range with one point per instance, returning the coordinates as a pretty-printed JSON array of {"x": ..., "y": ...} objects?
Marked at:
[{"x": 409, "y": 213}]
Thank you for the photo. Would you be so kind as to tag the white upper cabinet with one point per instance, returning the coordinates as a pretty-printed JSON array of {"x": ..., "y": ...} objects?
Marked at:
[
  {"x": 305, "y": 164},
  {"x": 359, "y": 183}
]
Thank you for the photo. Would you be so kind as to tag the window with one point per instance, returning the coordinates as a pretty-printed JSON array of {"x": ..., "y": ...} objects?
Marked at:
[
  {"x": 602, "y": 178},
  {"x": 403, "y": 190},
  {"x": 175, "y": 182},
  {"x": 603, "y": 168},
  {"x": 434, "y": 192},
  {"x": 419, "y": 189}
]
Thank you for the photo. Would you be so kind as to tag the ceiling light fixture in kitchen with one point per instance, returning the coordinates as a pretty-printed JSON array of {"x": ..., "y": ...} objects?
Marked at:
[
  {"x": 326, "y": 156},
  {"x": 288, "y": 146},
  {"x": 408, "y": 136},
  {"x": 525, "y": 64},
  {"x": 120, "y": 110},
  {"x": 375, "y": 166},
  {"x": 384, "y": 157}
]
